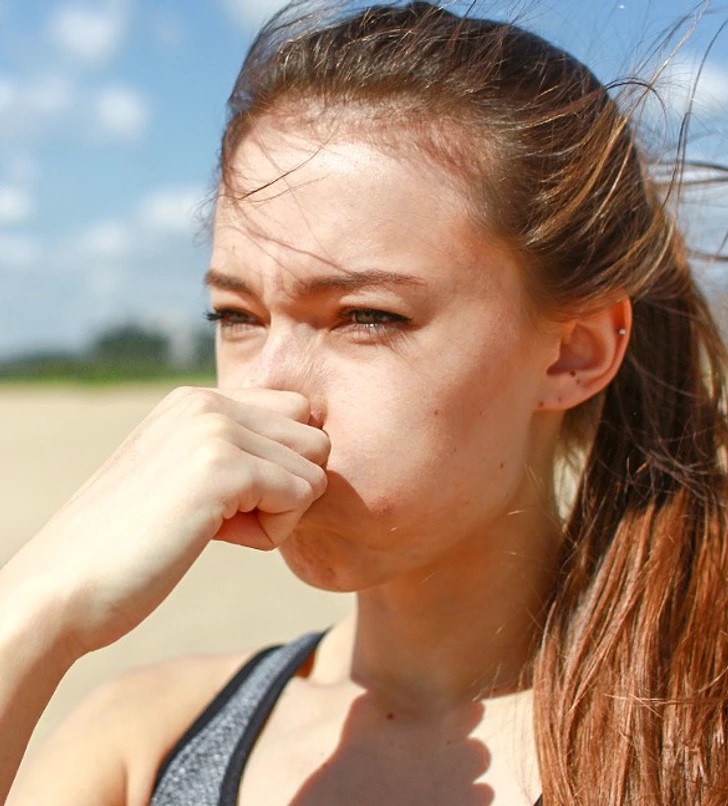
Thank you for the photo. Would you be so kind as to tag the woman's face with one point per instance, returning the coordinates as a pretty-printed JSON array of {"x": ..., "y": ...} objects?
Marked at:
[{"x": 355, "y": 278}]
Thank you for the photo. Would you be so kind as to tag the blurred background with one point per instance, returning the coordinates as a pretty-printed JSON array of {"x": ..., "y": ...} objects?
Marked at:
[{"x": 110, "y": 116}]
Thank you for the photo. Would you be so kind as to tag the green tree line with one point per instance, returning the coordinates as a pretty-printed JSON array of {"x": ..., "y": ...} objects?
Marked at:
[{"x": 125, "y": 352}]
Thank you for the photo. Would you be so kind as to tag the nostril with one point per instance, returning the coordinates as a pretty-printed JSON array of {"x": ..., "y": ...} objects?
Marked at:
[{"x": 316, "y": 419}]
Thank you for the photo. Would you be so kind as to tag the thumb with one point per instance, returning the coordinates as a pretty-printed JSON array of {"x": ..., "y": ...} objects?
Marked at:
[{"x": 245, "y": 529}]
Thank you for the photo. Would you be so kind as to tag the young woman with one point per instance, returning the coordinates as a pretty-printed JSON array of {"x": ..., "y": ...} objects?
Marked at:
[{"x": 440, "y": 271}]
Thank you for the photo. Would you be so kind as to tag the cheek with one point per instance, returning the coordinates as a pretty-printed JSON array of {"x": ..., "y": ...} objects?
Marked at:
[
  {"x": 227, "y": 372},
  {"x": 428, "y": 440}
]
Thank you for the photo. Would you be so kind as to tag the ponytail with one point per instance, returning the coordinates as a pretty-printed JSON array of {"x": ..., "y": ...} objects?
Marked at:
[
  {"x": 631, "y": 680},
  {"x": 636, "y": 647}
]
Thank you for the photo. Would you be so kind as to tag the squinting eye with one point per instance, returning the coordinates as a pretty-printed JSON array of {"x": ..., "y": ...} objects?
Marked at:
[
  {"x": 229, "y": 318},
  {"x": 374, "y": 318}
]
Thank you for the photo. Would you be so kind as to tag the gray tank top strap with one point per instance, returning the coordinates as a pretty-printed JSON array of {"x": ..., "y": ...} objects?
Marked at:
[{"x": 205, "y": 767}]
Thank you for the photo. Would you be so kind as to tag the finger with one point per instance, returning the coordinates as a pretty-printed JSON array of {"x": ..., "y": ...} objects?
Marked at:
[
  {"x": 200, "y": 400},
  {"x": 293, "y": 445},
  {"x": 258, "y": 530},
  {"x": 270, "y": 504},
  {"x": 290, "y": 404},
  {"x": 244, "y": 529},
  {"x": 263, "y": 531},
  {"x": 243, "y": 450},
  {"x": 269, "y": 487},
  {"x": 306, "y": 440},
  {"x": 281, "y": 416},
  {"x": 279, "y": 526}
]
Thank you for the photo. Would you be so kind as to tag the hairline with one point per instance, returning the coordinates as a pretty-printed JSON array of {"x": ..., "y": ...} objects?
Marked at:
[{"x": 373, "y": 123}]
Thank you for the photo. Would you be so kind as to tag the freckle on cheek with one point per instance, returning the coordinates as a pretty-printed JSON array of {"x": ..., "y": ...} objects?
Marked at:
[{"x": 383, "y": 509}]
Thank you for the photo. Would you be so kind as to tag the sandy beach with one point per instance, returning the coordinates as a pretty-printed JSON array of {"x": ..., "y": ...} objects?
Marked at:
[{"x": 51, "y": 440}]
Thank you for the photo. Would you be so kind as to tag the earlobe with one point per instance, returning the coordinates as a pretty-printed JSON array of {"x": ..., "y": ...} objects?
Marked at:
[{"x": 591, "y": 351}]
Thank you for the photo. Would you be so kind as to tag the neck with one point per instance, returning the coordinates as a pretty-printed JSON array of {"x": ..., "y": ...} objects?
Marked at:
[{"x": 460, "y": 631}]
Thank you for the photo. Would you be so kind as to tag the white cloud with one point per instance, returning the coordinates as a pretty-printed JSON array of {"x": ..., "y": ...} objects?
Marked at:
[
  {"x": 18, "y": 251},
  {"x": 16, "y": 205},
  {"x": 107, "y": 239},
  {"x": 107, "y": 283},
  {"x": 164, "y": 215},
  {"x": 712, "y": 91},
  {"x": 48, "y": 95},
  {"x": 121, "y": 113},
  {"x": 171, "y": 211},
  {"x": 251, "y": 13},
  {"x": 8, "y": 94},
  {"x": 19, "y": 168},
  {"x": 677, "y": 87},
  {"x": 27, "y": 106},
  {"x": 87, "y": 33}
]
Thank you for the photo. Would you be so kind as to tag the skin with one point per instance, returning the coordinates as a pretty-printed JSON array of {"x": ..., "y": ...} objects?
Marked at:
[
  {"x": 398, "y": 399},
  {"x": 368, "y": 330},
  {"x": 246, "y": 461}
]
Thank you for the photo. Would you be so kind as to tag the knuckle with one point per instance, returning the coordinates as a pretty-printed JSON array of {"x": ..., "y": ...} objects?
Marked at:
[
  {"x": 315, "y": 446},
  {"x": 213, "y": 424},
  {"x": 212, "y": 456},
  {"x": 318, "y": 480},
  {"x": 181, "y": 394},
  {"x": 323, "y": 445},
  {"x": 249, "y": 492},
  {"x": 297, "y": 405},
  {"x": 303, "y": 493},
  {"x": 201, "y": 401}
]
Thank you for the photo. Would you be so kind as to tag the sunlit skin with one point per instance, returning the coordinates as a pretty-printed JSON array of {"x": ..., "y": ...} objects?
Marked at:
[
  {"x": 357, "y": 278},
  {"x": 389, "y": 409},
  {"x": 427, "y": 378}
]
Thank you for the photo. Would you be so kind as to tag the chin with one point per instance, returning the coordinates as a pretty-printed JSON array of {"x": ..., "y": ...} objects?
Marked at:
[
  {"x": 311, "y": 558},
  {"x": 326, "y": 561}
]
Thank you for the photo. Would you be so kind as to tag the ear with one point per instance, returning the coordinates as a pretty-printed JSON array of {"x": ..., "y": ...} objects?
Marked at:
[{"x": 591, "y": 351}]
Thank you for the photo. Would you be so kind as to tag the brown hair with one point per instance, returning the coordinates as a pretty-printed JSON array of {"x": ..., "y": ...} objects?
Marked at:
[{"x": 631, "y": 678}]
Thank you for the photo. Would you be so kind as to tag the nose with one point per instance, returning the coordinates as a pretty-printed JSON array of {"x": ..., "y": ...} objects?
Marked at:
[
  {"x": 287, "y": 356},
  {"x": 285, "y": 361},
  {"x": 289, "y": 361}
]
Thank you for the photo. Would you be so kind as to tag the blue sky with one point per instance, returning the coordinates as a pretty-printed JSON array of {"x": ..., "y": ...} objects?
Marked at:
[{"x": 110, "y": 115}]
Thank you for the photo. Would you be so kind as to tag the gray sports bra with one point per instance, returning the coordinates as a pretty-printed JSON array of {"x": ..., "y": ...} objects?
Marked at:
[{"x": 206, "y": 765}]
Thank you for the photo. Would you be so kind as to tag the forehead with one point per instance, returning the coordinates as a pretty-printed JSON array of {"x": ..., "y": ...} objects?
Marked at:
[
  {"x": 281, "y": 172},
  {"x": 297, "y": 199}
]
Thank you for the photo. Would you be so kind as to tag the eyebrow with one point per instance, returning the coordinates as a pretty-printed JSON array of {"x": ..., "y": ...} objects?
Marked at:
[{"x": 343, "y": 281}]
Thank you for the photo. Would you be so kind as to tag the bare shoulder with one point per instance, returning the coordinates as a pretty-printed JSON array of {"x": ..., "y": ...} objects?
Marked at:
[{"x": 108, "y": 750}]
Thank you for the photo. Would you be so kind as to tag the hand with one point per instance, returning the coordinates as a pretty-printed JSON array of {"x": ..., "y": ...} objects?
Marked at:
[{"x": 240, "y": 466}]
